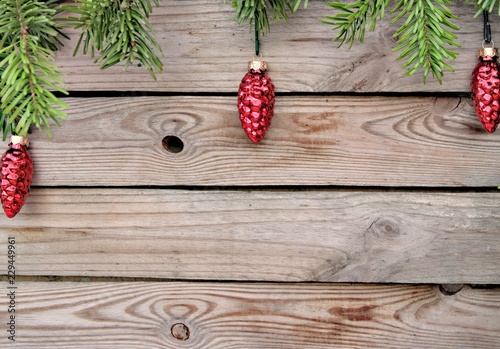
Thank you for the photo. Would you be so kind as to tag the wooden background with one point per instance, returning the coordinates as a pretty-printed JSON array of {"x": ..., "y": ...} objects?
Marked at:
[{"x": 367, "y": 218}]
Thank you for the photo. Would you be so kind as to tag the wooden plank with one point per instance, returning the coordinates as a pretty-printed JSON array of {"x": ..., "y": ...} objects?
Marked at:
[
  {"x": 348, "y": 141},
  {"x": 206, "y": 50},
  {"x": 325, "y": 236},
  {"x": 217, "y": 315}
]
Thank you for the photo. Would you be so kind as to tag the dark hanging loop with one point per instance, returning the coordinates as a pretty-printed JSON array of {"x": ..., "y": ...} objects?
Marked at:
[
  {"x": 486, "y": 28},
  {"x": 257, "y": 49}
]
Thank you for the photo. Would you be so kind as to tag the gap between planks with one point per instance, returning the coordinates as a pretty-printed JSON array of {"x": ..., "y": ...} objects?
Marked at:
[{"x": 446, "y": 289}]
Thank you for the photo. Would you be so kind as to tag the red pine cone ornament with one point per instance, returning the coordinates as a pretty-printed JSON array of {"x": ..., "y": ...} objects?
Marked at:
[
  {"x": 17, "y": 173},
  {"x": 256, "y": 101},
  {"x": 485, "y": 86}
]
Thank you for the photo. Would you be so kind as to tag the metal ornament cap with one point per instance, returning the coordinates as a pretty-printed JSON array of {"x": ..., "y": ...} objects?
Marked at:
[
  {"x": 257, "y": 65},
  {"x": 487, "y": 52},
  {"x": 20, "y": 140}
]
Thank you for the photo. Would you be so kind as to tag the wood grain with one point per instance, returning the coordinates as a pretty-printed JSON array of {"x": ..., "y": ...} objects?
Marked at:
[
  {"x": 317, "y": 235},
  {"x": 347, "y": 141},
  {"x": 206, "y": 50},
  {"x": 323, "y": 236},
  {"x": 217, "y": 315}
]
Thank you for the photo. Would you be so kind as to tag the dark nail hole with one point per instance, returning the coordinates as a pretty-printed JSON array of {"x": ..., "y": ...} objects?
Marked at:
[
  {"x": 450, "y": 289},
  {"x": 180, "y": 332},
  {"x": 172, "y": 144}
]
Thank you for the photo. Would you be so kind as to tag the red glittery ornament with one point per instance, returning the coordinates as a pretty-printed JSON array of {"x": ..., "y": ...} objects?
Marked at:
[
  {"x": 17, "y": 174},
  {"x": 256, "y": 101},
  {"x": 485, "y": 87}
]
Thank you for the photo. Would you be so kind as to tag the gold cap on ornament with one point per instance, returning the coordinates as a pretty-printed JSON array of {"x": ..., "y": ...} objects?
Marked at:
[
  {"x": 487, "y": 52},
  {"x": 20, "y": 140},
  {"x": 257, "y": 65}
]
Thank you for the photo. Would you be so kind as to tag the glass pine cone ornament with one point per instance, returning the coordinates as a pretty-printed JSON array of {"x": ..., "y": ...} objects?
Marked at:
[
  {"x": 256, "y": 101},
  {"x": 485, "y": 88},
  {"x": 17, "y": 174}
]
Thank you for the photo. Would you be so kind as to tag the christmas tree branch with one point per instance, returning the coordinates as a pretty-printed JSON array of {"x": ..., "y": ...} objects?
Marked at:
[
  {"x": 486, "y": 5},
  {"x": 351, "y": 21},
  {"x": 424, "y": 38},
  {"x": 29, "y": 35},
  {"x": 118, "y": 30},
  {"x": 28, "y": 72}
]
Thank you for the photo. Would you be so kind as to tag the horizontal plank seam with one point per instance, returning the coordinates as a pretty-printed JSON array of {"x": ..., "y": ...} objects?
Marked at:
[
  {"x": 84, "y": 279},
  {"x": 331, "y": 188},
  {"x": 132, "y": 93}
]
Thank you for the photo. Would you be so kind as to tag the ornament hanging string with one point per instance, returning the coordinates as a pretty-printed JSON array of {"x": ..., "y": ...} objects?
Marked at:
[
  {"x": 257, "y": 48},
  {"x": 486, "y": 28}
]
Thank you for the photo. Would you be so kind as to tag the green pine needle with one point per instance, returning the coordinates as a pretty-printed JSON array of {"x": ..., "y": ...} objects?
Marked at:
[
  {"x": 27, "y": 70},
  {"x": 118, "y": 30},
  {"x": 353, "y": 18},
  {"x": 424, "y": 39},
  {"x": 486, "y": 5}
]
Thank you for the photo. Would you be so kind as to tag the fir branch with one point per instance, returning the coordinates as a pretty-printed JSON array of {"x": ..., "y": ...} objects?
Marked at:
[
  {"x": 118, "y": 29},
  {"x": 351, "y": 21},
  {"x": 424, "y": 37},
  {"x": 28, "y": 73},
  {"x": 486, "y": 5},
  {"x": 249, "y": 11}
]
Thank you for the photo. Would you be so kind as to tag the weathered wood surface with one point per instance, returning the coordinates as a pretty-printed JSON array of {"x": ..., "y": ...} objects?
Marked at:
[
  {"x": 206, "y": 50},
  {"x": 321, "y": 235},
  {"x": 217, "y": 315},
  {"x": 349, "y": 141},
  {"x": 339, "y": 236}
]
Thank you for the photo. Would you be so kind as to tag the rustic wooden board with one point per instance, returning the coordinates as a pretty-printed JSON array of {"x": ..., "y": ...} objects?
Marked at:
[
  {"x": 217, "y": 315},
  {"x": 339, "y": 236},
  {"x": 275, "y": 235},
  {"x": 206, "y": 50},
  {"x": 348, "y": 141}
]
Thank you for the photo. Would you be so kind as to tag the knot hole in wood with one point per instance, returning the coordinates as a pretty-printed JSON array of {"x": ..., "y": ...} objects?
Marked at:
[
  {"x": 386, "y": 227},
  {"x": 172, "y": 144},
  {"x": 180, "y": 331},
  {"x": 450, "y": 289}
]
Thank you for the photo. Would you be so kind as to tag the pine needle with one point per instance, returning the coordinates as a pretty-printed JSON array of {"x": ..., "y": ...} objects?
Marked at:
[
  {"x": 251, "y": 11},
  {"x": 117, "y": 31},
  {"x": 424, "y": 39}
]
